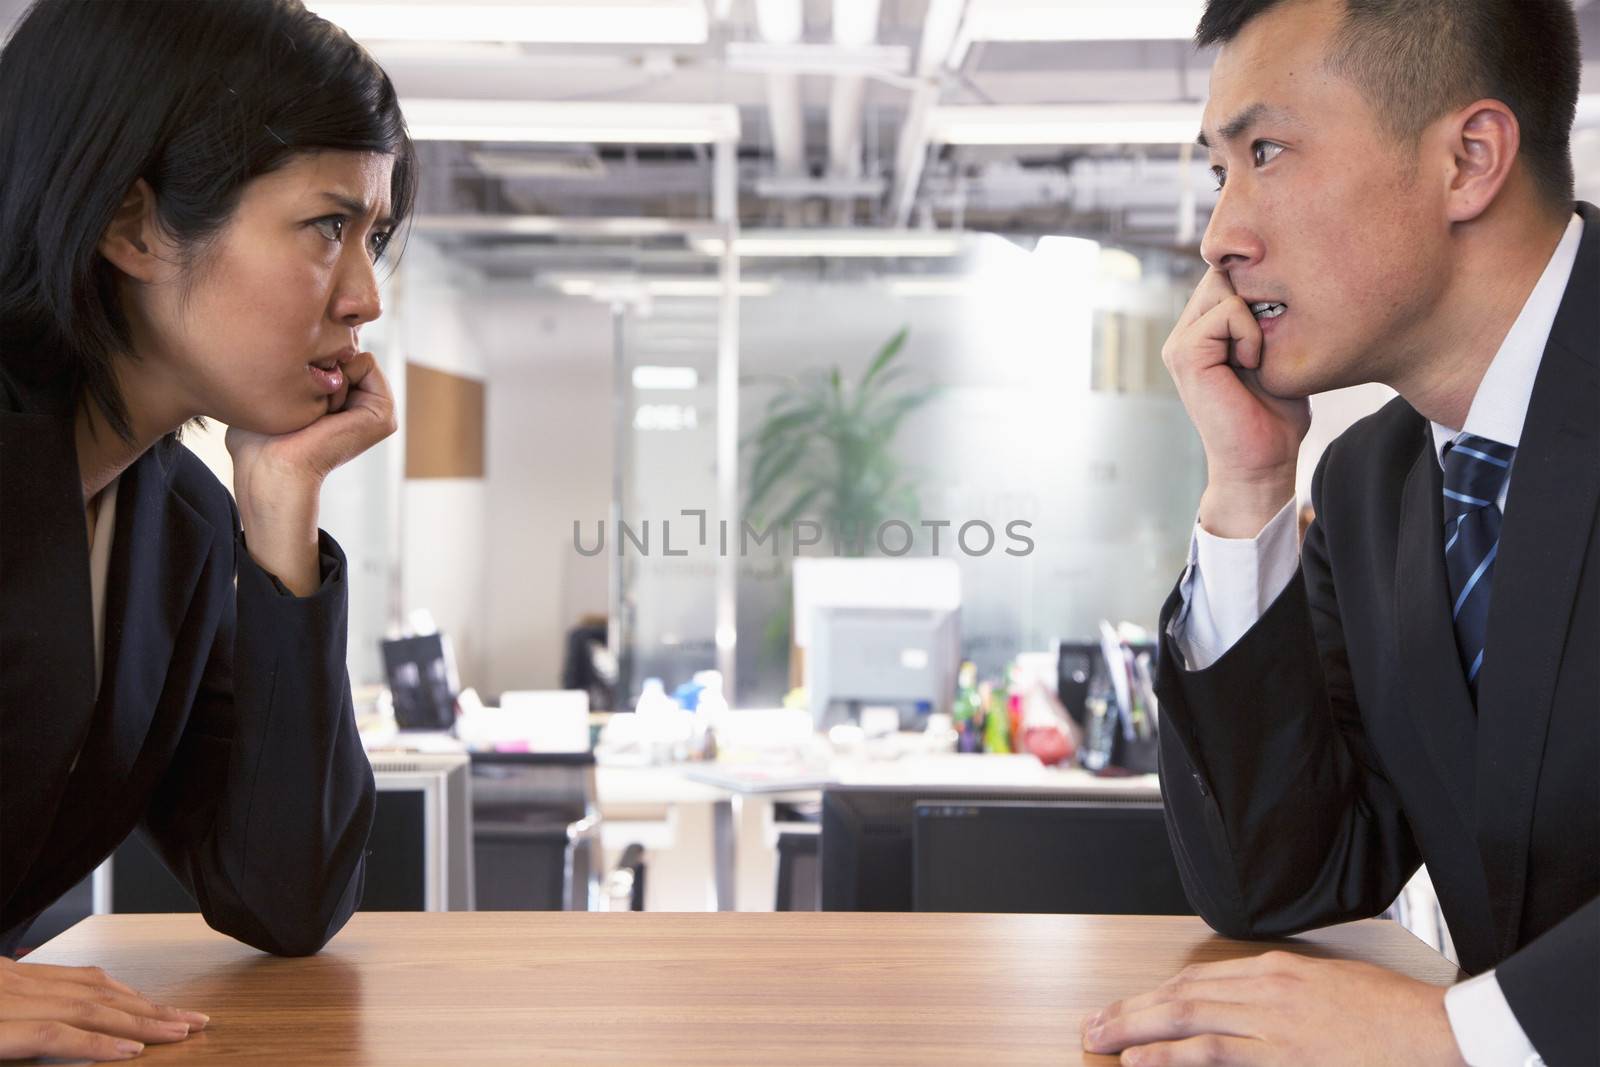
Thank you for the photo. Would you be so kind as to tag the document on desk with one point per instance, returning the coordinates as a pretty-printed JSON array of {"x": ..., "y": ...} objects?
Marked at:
[{"x": 757, "y": 778}]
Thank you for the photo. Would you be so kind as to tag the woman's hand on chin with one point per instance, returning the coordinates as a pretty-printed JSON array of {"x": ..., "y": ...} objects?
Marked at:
[{"x": 277, "y": 478}]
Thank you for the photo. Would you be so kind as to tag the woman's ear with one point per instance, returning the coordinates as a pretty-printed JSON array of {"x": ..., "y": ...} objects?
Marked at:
[{"x": 127, "y": 242}]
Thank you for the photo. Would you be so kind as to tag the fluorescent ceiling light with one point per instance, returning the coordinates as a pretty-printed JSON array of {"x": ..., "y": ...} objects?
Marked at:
[
  {"x": 571, "y": 22},
  {"x": 947, "y": 287},
  {"x": 863, "y": 60},
  {"x": 606, "y": 286},
  {"x": 568, "y": 122},
  {"x": 1084, "y": 20},
  {"x": 647, "y": 377},
  {"x": 1066, "y": 124},
  {"x": 829, "y": 243}
]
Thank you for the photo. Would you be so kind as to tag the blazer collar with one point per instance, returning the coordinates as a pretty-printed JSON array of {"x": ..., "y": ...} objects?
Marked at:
[
  {"x": 1550, "y": 513},
  {"x": 1435, "y": 687},
  {"x": 64, "y": 749},
  {"x": 47, "y": 628}
]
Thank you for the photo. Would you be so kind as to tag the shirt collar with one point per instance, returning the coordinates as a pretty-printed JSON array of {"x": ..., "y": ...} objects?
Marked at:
[{"x": 1501, "y": 403}]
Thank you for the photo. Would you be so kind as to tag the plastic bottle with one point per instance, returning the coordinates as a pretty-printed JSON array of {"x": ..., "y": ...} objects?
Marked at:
[
  {"x": 653, "y": 698},
  {"x": 965, "y": 711},
  {"x": 997, "y": 724}
]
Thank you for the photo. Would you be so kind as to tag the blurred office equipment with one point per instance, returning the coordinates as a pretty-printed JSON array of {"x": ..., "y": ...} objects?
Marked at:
[
  {"x": 1055, "y": 851},
  {"x": 537, "y": 831},
  {"x": 799, "y": 870},
  {"x": 1075, "y": 663},
  {"x": 1107, "y": 688},
  {"x": 1044, "y": 856},
  {"x": 422, "y": 677},
  {"x": 878, "y": 631},
  {"x": 590, "y": 665},
  {"x": 417, "y": 856},
  {"x": 426, "y": 798}
]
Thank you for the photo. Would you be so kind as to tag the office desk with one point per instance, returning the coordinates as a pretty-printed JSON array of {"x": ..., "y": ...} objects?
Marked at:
[{"x": 541, "y": 987}]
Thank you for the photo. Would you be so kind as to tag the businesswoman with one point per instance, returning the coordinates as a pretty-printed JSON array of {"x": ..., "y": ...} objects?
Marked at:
[{"x": 194, "y": 196}]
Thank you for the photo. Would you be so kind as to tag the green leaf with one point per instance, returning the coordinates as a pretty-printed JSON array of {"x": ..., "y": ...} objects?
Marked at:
[{"x": 885, "y": 354}]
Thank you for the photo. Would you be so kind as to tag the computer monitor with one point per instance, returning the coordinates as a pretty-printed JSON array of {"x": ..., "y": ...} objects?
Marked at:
[
  {"x": 1044, "y": 856},
  {"x": 871, "y": 862},
  {"x": 423, "y": 798},
  {"x": 419, "y": 856},
  {"x": 900, "y": 657},
  {"x": 878, "y": 631}
]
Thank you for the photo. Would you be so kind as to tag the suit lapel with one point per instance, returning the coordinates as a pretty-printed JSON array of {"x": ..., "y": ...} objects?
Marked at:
[
  {"x": 160, "y": 549},
  {"x": 1435, "y": 686},
  {"x": 1550, "y": 513},
  {"x": 46, "y": 628}
]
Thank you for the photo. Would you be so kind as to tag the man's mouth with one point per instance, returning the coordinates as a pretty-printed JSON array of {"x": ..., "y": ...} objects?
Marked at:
[{"x": 1266, "y": 309}]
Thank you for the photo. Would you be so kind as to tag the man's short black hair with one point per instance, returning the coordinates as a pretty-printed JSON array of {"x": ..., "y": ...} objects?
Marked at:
[{"x": 1414, "y": 60}]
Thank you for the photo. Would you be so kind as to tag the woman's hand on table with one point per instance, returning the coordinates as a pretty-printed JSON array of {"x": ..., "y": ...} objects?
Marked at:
[{"x": 81, "y": 1013}]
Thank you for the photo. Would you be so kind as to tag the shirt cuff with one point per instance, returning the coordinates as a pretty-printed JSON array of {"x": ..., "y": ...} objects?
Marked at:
[
  {"x": 1486, "y": 1030},
  {"x": 1229, "y": 584}
]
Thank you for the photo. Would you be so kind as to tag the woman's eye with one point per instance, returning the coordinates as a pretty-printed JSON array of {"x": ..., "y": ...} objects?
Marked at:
[
  {"x": 380, "y": 243},
  {"x": 332, "y": 227},
  {"x": 1264, "y": 152},
  {"x": 1220, "y": 175}
]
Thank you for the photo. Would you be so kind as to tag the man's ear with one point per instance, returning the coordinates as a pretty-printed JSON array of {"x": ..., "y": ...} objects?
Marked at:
[
  {"x": 1483, "y": 139},
  {"x": 131, "y": 241}
]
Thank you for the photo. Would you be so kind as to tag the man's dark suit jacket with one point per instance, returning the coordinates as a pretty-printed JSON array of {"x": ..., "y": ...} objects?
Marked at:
[
  {"x": 223, "y": 728},
  {"x": 1335, "y": 747}
]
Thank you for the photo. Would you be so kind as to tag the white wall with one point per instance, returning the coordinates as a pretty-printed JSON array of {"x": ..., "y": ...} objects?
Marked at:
[
  {"x": 443, "y": 521},
  {"x": 550, "y": 458}
]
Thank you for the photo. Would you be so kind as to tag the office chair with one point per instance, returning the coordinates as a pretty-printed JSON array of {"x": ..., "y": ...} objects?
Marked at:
[{"x": 536, "y": 831}]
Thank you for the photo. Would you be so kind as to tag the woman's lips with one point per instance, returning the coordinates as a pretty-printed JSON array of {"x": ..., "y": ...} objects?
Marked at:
[{"x": 329, "y": 380}]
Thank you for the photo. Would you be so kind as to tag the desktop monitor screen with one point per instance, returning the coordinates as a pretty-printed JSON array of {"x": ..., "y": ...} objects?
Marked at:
[
  {"x": 904, "y": 657},
  {"x": 872, "y": 855},
  {"x": 1045, "y": 856}
]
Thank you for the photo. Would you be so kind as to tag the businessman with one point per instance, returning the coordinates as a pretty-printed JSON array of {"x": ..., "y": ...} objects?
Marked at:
[{"x": 1420, "y": 681}]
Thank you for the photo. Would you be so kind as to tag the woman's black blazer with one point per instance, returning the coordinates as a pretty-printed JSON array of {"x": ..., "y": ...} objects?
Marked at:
[{"x": 223, "y": 728}]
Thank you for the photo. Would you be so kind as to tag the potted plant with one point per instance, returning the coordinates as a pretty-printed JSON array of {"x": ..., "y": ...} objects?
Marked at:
[{"x": 824, "y": 450}]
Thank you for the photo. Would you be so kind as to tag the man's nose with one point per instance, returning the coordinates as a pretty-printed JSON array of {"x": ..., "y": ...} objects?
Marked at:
[{"x": 1231, "y": 241}]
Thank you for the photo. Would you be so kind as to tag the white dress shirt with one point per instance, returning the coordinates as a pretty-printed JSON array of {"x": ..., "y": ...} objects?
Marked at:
[{"x": 1230, "y": 583}]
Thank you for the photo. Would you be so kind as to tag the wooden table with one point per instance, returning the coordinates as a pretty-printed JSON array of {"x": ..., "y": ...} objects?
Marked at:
[{"x": 551, "y": 988}]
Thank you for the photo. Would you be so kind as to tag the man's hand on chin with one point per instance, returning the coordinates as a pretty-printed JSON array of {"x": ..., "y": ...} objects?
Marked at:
[{"x": 1280, "y": 1009}]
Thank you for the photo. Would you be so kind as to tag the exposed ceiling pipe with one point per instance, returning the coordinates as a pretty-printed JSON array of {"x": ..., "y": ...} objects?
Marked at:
[
  {"x": 938, "y": 35},
  {"x": 783, "y": 22},
  {"x": 855, "y": 25}
]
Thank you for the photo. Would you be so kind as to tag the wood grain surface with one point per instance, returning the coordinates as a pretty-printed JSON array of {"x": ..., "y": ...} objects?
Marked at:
[{"x": 765, "y": 989}]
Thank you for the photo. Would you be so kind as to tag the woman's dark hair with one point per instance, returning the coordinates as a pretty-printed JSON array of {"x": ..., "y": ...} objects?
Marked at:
[{"x": 197, "y": 97}]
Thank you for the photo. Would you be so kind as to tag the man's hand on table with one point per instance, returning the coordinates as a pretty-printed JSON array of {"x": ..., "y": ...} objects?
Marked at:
[
  {"x": 1279, "y": 1008},
  {"x": 80, "y": 1013}
]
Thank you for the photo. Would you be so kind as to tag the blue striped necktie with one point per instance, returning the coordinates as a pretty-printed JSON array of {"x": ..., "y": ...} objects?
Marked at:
[{"x": 1474, "y": 470}]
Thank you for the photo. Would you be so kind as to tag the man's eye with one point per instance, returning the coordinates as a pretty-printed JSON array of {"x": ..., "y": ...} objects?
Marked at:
[{"x": 1264, "y": 152}]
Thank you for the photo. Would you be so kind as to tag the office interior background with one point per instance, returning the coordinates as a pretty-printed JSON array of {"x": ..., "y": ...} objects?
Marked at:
[{"x": 648, "y": 230}]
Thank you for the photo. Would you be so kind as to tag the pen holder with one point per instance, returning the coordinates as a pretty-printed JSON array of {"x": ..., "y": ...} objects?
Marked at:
[{"x": 1140, "y": 755}]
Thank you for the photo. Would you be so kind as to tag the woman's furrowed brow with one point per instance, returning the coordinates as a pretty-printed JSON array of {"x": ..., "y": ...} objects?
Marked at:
[{"x": 353, "y": 206}]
